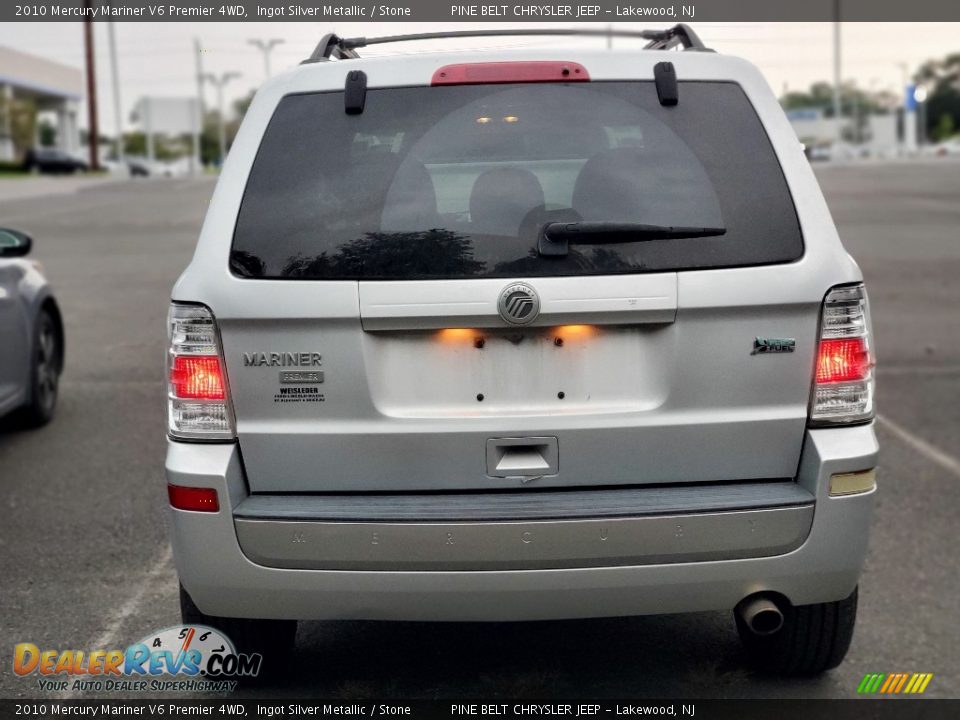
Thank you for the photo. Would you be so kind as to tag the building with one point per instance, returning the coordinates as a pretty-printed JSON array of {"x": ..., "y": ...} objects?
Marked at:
[
  {"x": 813, "y": 127},
  {"x": 167, "y": 117},
  {"x": 874, "y": 134},
  {"x": 40, "y": 86}
]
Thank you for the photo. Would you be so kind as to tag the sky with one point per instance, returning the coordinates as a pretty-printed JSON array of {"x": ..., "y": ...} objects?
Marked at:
[{"x": 158, "y": 58}]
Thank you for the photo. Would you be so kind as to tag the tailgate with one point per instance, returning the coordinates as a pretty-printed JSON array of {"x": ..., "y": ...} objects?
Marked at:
[{"x": 414, "y": 406}]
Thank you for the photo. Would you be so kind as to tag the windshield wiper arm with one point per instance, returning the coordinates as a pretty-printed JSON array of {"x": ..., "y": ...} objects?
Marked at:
[{"x": 555, "y": 238}]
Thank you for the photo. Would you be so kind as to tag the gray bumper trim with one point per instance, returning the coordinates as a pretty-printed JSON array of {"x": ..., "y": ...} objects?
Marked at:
[
  {"x": 525, "y": 504},
  {"x": 528, "y": 545}
]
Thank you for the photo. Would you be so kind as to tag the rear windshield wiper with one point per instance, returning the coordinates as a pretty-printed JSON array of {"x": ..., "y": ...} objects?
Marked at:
[{"x": 555, "y": 238}]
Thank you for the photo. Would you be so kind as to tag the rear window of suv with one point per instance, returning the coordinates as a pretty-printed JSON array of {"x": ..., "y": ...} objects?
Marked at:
[{"x": 456, "y": 182}]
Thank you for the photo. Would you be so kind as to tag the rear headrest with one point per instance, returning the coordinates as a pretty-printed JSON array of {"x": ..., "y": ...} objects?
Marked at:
[
  {"x": 610, "y": 186},
  {"x": 501, "y": 198},
  {"x": 411, "y": 202}
]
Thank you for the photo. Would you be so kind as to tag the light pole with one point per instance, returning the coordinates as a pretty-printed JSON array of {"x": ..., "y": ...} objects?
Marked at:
[
  {"x": 115, "y": 76},
  {"x": 218, "y": 82},
  {"x": 197, "y": 160},
  {"x": 266, "y": 47},
  {"x": 837, "y": 111},
  {"x": 920, "y": 96}
]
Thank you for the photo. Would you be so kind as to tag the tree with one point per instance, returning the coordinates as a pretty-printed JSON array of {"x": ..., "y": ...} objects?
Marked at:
[
  {"x": 48, "y": 134},
  {"x": 241, "y": 106},
  {"x": 209, "y": 138},
  {"x": 942, "y": 80},
  {"x": 945, "y": 127},
  {"x": 852, "y": 100},
  {"x": 22, "y": 118}
]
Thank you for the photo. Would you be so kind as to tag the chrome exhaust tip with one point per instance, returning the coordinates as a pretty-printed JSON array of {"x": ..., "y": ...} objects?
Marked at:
[{"x": 761, "y": 615}]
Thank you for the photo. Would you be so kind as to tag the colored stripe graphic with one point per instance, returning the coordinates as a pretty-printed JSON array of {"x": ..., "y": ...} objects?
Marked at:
[
  {"x": 894, "y": 683},
  {"x": 870, "y": 683},
  {"x": 912, "y": 683},
  {"x": 903, "y": 680},
  {"x": 891, "y": 681}
]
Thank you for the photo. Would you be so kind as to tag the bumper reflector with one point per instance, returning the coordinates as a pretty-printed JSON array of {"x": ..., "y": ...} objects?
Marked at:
[
  {"x": 853, "y": 483},
  {"x": 193, "y": 498}
]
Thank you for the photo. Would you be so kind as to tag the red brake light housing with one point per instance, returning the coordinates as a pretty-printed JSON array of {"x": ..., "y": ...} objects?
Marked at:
[
  {"x": 536, "y": 71},
  {"x": 843, "y": 360},
  {"x": 198, "y": 394},
  {"x": 843, "y": 376},
  {"x": 197, "y": 377}
]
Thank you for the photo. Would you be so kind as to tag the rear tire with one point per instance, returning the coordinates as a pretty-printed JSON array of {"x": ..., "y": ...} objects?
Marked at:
[
  {"x": 274, "y": 639},
  {"x": 46, "y": 361},
  {"x": 814, "y": 638}
]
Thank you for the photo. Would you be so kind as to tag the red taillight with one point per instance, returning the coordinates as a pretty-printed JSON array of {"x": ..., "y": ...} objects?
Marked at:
[
  {"x": 842, "y": 360},
  {"x": 510, "y": 72},
  {"x": 197, "y": 377},
  {"x": 193, "y": 498}
]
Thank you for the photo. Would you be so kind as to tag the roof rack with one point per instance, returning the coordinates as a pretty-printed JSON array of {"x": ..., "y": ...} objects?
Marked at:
[{"x": 332, "y": 46}]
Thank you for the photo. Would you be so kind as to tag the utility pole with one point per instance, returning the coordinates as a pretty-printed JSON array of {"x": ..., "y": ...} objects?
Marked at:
[
  {"x": 197, "y": 161},
  {"x": 115, "y": 76},
  {"x": 266, "y": 47},
  {"x": 836, "y": 67},
  {"x": 93, "y": 131},
  {"x": 218, "y": 82}
]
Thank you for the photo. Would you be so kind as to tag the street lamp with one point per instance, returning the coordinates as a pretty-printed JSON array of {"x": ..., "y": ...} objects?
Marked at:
[
  {"x": 218, "y": 82},
  {"x": 266, "y": 47}
]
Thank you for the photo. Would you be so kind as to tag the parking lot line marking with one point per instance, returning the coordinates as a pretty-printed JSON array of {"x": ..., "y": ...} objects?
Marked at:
[
  {"x": 936, "y": 455},
  {"x": 133, "y": 602},
  {"x": 132, "y": 605}
]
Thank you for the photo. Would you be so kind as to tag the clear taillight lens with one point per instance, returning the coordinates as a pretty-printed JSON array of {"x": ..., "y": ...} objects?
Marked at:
[
  {"x": 843, "y": 377},
  {"x": 198, "y": 400}
]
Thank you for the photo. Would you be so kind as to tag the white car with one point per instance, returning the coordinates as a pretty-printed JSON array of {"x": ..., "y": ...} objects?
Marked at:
[
  {"x": 520, "y": 335},
  {"x": 947, "y": 148}
]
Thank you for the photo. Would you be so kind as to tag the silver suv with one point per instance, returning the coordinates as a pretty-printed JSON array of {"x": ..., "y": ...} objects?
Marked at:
[{"x": 519, "y": 335}]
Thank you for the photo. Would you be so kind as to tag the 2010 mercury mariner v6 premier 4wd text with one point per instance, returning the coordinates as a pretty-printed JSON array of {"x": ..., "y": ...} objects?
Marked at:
[{"x": 518, "y": 335}]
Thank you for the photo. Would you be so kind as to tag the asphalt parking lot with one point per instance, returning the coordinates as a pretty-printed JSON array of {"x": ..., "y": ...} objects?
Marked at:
[{"x": 85, "y": 563}]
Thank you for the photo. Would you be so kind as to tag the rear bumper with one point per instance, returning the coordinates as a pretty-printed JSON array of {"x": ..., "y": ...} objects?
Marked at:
[
  {"x": 525, "y": 530},
  {"x": 527, "y": 569}
]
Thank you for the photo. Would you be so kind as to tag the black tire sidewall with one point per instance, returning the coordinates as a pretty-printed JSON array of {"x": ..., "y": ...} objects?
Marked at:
[
  {"x": 813, "y": 639},
  {"x": 37, "y": 413}
]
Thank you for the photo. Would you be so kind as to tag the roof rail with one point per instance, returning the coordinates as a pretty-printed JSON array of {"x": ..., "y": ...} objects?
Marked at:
[{"x": 332, "y": 46}]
